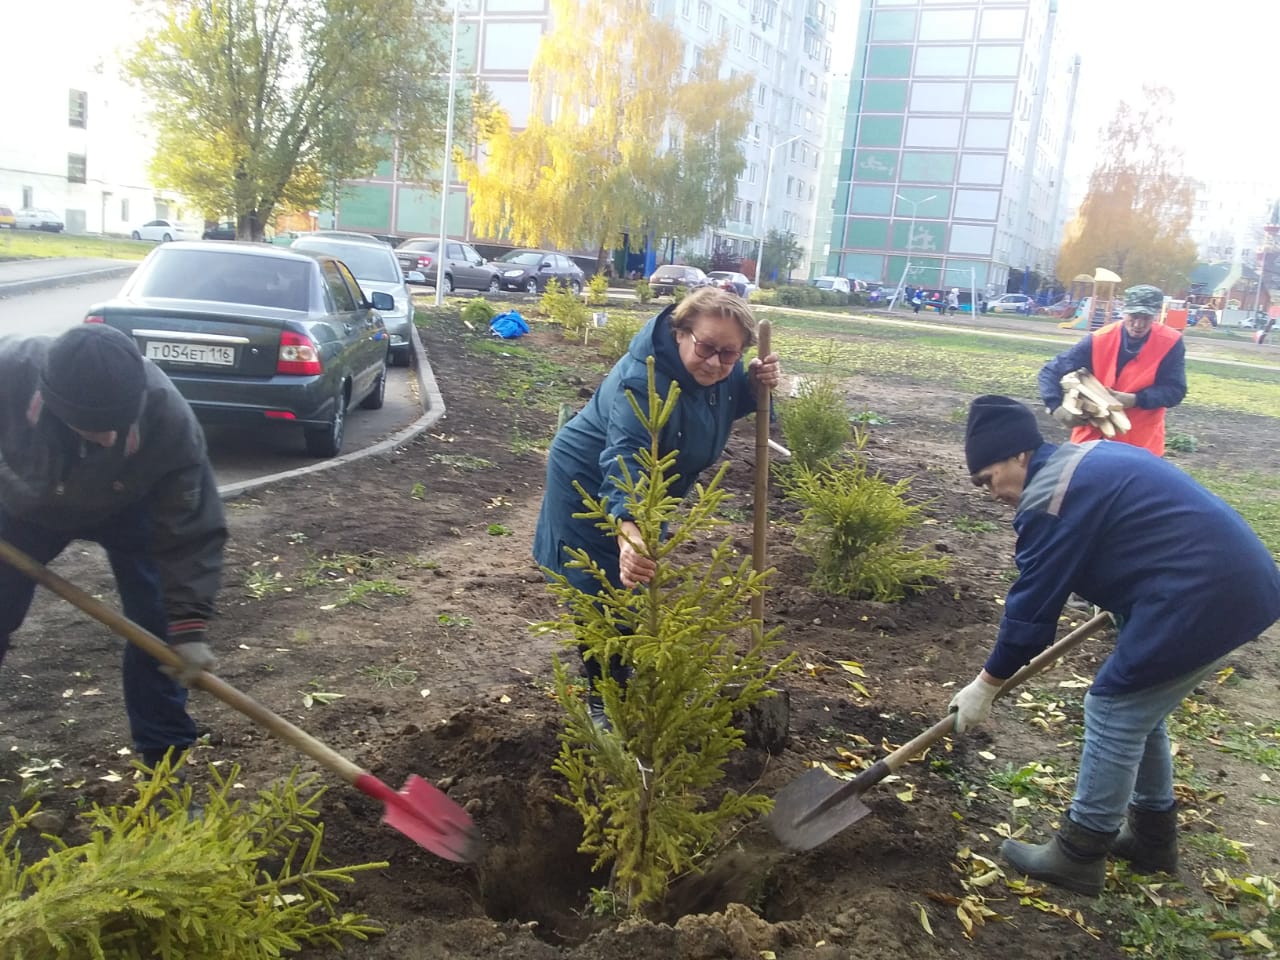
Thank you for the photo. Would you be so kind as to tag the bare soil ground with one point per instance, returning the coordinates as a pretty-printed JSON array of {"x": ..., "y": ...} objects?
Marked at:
[{"x": 441, "y": 676}]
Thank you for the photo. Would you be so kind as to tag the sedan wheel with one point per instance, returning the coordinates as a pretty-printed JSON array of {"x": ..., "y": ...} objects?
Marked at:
[
  {"x": 448, "y": 284},
  {"x": 576, "y": 286},
  {"x": 166, "y": 238},
  {"x": 137, "y": 235},
  {"x": 379, "y": 392},
  {"x": 495, "y": 285},
  {"x": 327, "y": 441},
  {"x": 531, "y": 285}
]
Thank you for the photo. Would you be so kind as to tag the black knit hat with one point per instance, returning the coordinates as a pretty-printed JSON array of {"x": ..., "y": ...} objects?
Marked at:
[
  {"x": 999, "y": 428},
  {"x": 93, "y": 378}
]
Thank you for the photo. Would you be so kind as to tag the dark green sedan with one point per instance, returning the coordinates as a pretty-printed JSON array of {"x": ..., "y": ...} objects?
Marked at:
[{"x": 256, "y": 335}]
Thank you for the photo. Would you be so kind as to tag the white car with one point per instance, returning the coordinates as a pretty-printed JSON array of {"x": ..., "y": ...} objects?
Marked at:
[
  {"x": 741, "y": 285},
  {"x": 162, "y": 231},
  {"x": 38, "y": 218},
  {"x": 1011, "y": 303},
  {"x": 836, "y": 284}
]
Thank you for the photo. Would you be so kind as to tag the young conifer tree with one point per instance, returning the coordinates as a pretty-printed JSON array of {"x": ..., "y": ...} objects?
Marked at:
[{"x": 697, "y": 659}]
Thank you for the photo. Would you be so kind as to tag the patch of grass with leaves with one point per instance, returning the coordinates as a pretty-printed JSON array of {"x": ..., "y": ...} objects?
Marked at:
[
  {"x": 260, "y": 583},
  {"x": 1032, "y": 783},
  {"x": 968, "y": 524},
  {"x": 389, "y": 675},
  {"x": 464, "y": 462},
  {"x": 1254, "y": 494},
  {"x": 335, "y": 568},
  {"x": 246, "y": 879},
  {"x": 358, "y": 594}
]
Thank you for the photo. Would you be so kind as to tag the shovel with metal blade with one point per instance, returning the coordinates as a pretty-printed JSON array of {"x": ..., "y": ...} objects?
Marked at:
[
  {"x": 815, "y": 806},
  {"x": 420, "y": 811}
]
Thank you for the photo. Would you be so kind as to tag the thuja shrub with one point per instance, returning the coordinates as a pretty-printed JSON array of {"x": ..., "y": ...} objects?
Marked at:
[
  {"x": 814, "y": 422},
  {"x": 478, "y": 312},
  {"x": 615, "y": 336},
  {"x": 852, "y": 526},
  {"x": 598, "y": 290},
  {"x": 565, "y": 308},
  {"x": 244, "y": 879},
  {"x": 644, "y": 292},
  {"x": 697, "y": 660}
]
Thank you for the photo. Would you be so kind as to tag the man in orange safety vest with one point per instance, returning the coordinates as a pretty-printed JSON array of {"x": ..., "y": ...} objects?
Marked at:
[{"x": 1142, "y": 363}]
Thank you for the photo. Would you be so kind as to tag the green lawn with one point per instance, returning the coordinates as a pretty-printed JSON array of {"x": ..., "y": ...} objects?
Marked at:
[{"x": 32, "y": 244}]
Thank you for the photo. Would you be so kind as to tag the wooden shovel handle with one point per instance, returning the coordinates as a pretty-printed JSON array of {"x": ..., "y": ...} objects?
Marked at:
[
  {"x": 760, "y": 516},
  {"x": 1043, "y": 661},
  {"x": 153, "y": 645}
]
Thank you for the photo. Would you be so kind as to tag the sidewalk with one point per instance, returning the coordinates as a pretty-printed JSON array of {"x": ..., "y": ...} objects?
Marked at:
[{"x": 23, "y": 276}]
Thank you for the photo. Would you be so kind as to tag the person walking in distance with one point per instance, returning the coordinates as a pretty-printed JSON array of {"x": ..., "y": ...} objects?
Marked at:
[
  {"x": 1142, "y": 363},
  {"x": 1135, "y": 535},
  {"x": 97, "y": 444}
]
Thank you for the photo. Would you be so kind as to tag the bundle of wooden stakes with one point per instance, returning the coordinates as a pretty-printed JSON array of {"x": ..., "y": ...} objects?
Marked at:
[{"x": 1084, "y": 396}]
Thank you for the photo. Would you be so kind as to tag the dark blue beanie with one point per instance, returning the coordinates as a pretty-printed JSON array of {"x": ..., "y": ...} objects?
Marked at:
[
  {"x": 998, "y": 428},
  {"x": 93, "y": 378}
]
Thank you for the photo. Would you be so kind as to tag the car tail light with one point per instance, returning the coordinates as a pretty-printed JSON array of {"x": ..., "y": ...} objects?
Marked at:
[
  {"x": 279, "y": 415},
  {"x": 298, "y": 354},
  {"x": 94, "y": 319},
  {"x": 424, "y": 262}
]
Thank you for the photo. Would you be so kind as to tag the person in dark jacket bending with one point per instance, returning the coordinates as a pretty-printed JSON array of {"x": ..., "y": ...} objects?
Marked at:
[
  {"x": 97, "y": 444},
  {"x": 1142, "y": 363},
  {"x": 697, "y": 343},
  {"x": 1138, "y": 537}
]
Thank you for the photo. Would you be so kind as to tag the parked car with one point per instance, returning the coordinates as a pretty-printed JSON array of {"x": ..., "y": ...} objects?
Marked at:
[
  {"x": 163, "y": 231},
  {"x": 666, "y": 278},
  {"x": 39, "y": 218},
  {"x": 738, "y": 281},
  {"x": 376, "y": 269},
  {"x": 7, "y": 219},
  {"x": 836, "y": 284},
  {"x": 1011, "y": 303},
  {"x": 254, "y": 335},
  {"x": 221, "y": 230},
  {"x": 464, "y": 268},
  {"x": 529, "y": 270}
]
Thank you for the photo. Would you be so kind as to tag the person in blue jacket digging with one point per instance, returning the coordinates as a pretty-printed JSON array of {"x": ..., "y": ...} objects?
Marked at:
[
  {"x": 1187, "y": 580},
  {"x": 698, "y": 344}
]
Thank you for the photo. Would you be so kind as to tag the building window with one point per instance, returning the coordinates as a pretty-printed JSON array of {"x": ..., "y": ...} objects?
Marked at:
[
  {"x": 753, "y": 174},
  {"x": 768, "y": 54},
  {"x": 724, "y": 26},
  {"x": 737, "y": 38},
  {"x": 762, "y": 94},
  {"x": 704, "y": 15},
  {"x": 748, "y": 209},
  {"x": 28, "y": 197},
  {"x": 753, "y": 48},
  {"x": 791, "y": 185},
  {"x": 686, "y": 8},
  {"x": 78, "y": 109},
  {"x": 75, "y": 168},
  {"x": 124, "y": 210}
]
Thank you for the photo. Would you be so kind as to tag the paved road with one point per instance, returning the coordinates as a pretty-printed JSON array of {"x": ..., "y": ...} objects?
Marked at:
[{"x": 237, "y": 454}]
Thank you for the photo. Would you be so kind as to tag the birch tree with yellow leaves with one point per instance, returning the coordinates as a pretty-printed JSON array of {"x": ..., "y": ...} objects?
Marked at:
[
  {"x": 620, "y": 137},
  {"x": 1136, "y": 216}
]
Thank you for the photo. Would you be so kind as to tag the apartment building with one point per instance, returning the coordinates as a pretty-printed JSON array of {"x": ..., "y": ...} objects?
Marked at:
[
  {"x": 76, "y": 139},
  {"x": 957, "y": 132}
]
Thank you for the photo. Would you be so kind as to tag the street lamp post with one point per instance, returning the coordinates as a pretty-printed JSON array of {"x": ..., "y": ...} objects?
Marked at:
[
  {"x": 764, "y": 203},
  {"x": 911, "y": 242},
  {"x": 448, "y": 150}
]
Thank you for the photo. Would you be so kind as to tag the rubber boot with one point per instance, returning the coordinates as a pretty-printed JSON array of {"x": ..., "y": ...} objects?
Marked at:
[
  {"x": 1074, "y": 858},
  {"x": 595, "y": 710},
  {"x": 1149, "y": 841}
]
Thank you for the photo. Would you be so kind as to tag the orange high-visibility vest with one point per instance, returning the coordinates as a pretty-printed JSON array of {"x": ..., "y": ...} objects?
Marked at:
[{"x": 1147, "y": 426}]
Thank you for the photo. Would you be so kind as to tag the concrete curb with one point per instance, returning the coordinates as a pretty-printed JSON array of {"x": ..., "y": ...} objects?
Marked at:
[
  {"x": 63, "y": 280},
  {"x": 432, "y": 411}
]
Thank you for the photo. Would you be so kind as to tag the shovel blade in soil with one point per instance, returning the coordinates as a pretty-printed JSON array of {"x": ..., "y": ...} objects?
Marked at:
[
  {"x": 813, "y": 808},
  {"x": 426, "y": 816}
]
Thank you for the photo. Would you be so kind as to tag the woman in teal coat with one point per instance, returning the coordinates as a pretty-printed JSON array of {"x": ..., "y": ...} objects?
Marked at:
[{"x": 697, "y": 343}]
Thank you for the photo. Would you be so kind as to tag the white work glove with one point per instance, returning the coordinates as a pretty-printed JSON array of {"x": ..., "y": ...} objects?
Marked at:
[
  {"x": 196, "y": 656},
  {"x": 1067, "y": 418},
  {"x": 972, "y": 705},
  {"x": 1127, "y": 400}
]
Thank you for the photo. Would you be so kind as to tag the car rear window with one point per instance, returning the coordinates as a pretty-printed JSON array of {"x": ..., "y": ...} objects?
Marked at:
[
  {"x": 226, "y": 278},
  {"x": 366, "y": 261}
]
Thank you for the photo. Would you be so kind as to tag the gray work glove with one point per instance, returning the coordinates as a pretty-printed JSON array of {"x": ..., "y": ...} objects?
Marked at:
[
  {"x": 1067, "y": 418},
  {"x": 196, "y": 656},
  {"x": 1126, "y": 399},
  {"x": 972, "y": 705}
]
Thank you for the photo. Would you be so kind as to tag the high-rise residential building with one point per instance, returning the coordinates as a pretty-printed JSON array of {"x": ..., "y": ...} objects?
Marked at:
[
  {"x": 955, "y": 139},
  {"x": 784, "y": 45}
]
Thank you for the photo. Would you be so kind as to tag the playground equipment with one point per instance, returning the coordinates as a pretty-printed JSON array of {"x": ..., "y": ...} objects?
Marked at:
[{"x": 1096, "y": 295}]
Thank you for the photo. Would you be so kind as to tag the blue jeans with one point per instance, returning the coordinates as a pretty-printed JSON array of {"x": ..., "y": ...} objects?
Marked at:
[
  {"x": 1126, "y": 758},
  {"x": 156, "y": 704}
]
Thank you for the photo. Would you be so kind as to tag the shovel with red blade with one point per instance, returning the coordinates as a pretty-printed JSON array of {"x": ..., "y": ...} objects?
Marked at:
[{"x": 418, "y": 810}]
